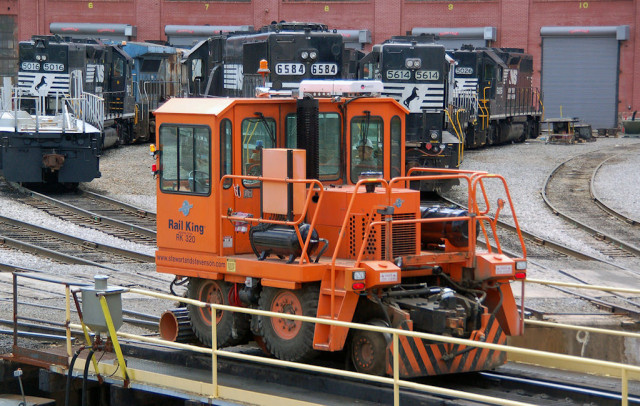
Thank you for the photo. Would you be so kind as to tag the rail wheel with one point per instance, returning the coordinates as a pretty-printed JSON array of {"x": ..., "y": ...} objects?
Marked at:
[
  {"x": 287, "y": 339},
  {"x": 368, "y": 349},
  {"x": 493, "y": 134},
  {"x": 232, "y": 328}
]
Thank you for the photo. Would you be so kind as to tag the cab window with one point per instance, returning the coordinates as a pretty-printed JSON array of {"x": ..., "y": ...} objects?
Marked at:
[
  {"x": 226, "y": 145},
  {"x": 118, "y": 67},
  {"x": 196, "y": 70},
  {"x": 185, "y": 153},
  {"x": 328, "y": 141},
  {"x": 257, "y": 133},
  {"x": 396, "y": 153},
  {"x": 366, "y": 146}
]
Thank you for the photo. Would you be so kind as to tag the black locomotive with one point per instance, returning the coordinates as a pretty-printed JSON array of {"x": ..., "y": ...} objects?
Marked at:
[
  {"x": 465, "y": 98},
  {"x": 507, "y": 107},
  {"x": 76, "y": 97},
  {"x": 229, "y": 64},
  {"x": 417, "y": 72}
]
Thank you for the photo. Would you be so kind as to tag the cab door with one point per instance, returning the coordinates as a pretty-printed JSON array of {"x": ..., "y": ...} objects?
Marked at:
[
  {"x": 187, "y": 230},
  {"x": 256, "y": 125}
]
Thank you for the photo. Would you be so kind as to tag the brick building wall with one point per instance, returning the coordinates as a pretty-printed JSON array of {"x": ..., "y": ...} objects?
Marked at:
[{"x": 518, "y": 22}]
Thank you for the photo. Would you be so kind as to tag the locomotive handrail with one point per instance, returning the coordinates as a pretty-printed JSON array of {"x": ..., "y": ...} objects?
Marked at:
[
  {"x": 458, "y": 131},
  {"x": 87, "y": 108},
  {"x": 511, "y": 207},
  {"x": 312, "y": 182}
]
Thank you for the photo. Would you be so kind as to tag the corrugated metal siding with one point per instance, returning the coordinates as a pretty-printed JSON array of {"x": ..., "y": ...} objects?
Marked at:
[
  {"x": 8, "y": 47},
  {"x": 581, "y": 75}
]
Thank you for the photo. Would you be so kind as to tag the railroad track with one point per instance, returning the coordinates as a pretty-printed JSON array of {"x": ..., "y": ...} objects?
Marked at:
[
  {"x": 545, "y": 387},
  {"x": 95, "y": 211},
  {"x": 63, "y": 247},
  {"x": 568, "y": 191},
  {"x": 550, "y": 251}
]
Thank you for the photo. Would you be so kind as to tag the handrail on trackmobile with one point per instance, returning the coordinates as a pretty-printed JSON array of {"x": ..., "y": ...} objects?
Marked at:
[{"x": 473, "y": 178}]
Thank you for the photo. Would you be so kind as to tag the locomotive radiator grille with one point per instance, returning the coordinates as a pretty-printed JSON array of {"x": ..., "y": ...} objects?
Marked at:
[
  {"x": 357, "y": 227},
  {"x": 403, "y": 237},
  {"x": 403, "y": 240}
]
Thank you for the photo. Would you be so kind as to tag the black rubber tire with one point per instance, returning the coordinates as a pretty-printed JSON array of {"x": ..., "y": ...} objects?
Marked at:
[
  {"x": 287, "y": 339},
  {"x": 232, "y": 327},
  {"x": 368, "y": 350}
]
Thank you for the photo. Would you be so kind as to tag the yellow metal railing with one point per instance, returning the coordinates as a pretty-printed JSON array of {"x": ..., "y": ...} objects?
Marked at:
[{"x": 215, "y": 391}]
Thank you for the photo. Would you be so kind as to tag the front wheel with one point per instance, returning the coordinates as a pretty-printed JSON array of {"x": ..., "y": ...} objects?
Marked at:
[
  {"x": 287, "y": 339},
  {"x": 232, "y": 327}
]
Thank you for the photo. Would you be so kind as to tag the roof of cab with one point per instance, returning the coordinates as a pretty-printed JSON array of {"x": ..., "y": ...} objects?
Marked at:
[
  {"x": 208, "y": 106},
  {"x": 218, "y": 105}
]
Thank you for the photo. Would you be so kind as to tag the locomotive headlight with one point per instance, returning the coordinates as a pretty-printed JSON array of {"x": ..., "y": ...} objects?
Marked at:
[
  {"x": 433, "y": 134},
  {"x": 521, "y": 265},
  {"x": 413, "y": 63},
  {"x": 358, "y": 275},
  {"x": 37, "y": 57},
  {"x": 313, "y": 54},
  {"x": 304, "y": 55}
]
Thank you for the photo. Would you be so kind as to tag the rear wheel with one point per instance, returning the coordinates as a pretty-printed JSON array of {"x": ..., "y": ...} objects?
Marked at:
[
  {"x": 286, "y": 339},
  {"x": 232, "y": 327},
  {"x": 368, "y": 350}
]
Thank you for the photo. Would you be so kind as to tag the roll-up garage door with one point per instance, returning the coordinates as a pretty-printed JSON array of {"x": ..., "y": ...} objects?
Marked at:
[
  {"x": 455, "y": 38},
  {"x": 580, "y": 73}
]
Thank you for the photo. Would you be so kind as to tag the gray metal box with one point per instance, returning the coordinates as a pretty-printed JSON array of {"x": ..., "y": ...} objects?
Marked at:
[{"x": 92, "y": 313}]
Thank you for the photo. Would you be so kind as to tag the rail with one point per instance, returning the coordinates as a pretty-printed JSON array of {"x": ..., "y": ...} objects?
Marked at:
[{"x": 215, "y": 390}]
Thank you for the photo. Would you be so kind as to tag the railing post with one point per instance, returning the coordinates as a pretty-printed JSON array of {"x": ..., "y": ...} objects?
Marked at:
[
  {"x": 15, "y": 309},
  {"x": 114, "y": 339},
  {"x": 214, "y": 353},
  {"x": 396, "y": 370},
  {"x": 625, "y": 388},
  {"x": 67, "y": 297}
]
